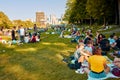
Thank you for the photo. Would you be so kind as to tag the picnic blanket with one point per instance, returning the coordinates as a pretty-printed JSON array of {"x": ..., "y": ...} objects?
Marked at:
[{"x": 67, "y": 36}]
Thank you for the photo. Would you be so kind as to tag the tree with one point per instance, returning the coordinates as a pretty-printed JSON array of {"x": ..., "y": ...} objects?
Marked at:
[
  {"x": 69, "y": 13},
  {"x": 24, "y": 23},
  {"x": 17, "y": 22},
  {"x": 76, "y": 11},
  {"x": 100, "y": 9},
  {"x": 4, "y": 21}
]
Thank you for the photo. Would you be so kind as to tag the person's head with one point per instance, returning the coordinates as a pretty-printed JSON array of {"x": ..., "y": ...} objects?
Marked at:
[
  {"x": 97, "y": 51},
  {"x": 111, "y": 36},
  {"x": 100, "y": 36},
  {"x": 115, "y": 37},
  {"x": 34, "y": 25},
  {"x": 81, "y": 45},
  {"x": 89, "y": 43},
  {"x": 21, "y": 26},
  {"x": 13, "y": 28},
  {"x": 103, "y": 36}
]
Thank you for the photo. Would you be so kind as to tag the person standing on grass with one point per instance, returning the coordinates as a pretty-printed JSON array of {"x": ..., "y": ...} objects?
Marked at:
[
  {"x": 18, "y": 32},
  {"x": 35, "y": 28},
  {"x": 22, "y": 34},
  {"x": 13, "y": 33}
]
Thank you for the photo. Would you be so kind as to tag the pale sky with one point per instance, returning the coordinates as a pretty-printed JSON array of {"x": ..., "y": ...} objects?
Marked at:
[{"x": 26, "y": 9}]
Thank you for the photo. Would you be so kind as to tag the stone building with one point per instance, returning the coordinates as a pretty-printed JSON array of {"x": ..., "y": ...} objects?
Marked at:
[{"x": 40, "y": 18}]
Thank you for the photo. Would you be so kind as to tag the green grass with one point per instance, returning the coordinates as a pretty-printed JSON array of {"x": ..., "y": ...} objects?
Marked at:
[{"x": 38, "y": 61}]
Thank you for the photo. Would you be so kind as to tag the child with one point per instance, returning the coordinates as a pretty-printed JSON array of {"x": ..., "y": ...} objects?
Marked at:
[{"x": 83, "y": 53}]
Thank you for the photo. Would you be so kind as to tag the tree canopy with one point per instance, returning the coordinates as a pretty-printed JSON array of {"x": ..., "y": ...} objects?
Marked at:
[
  {"x": 77, "y": 10},
  {"x": 24, "y": 23},
  {"x": 7, "y": 23},
  {"x": 4, "y": 20}
]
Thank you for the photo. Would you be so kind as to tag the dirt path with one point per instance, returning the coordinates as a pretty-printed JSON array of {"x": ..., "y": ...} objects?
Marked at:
[{"x": 113, "y": 31}]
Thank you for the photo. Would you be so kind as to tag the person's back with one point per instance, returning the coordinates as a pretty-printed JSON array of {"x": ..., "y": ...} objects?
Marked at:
[
  {"x": 33, "y": 39},
  {"x": 118, "y": 43},
  {"x": 112, "y": 41},
  {"x": 96, "y": 63},
  {"x": 88, "y": 38},
  {"x": 26, "y": 39},
  {"x": 104, "y": 44}
]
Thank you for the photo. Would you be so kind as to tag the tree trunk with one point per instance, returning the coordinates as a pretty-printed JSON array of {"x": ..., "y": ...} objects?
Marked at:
[
  {"x": 105, "y": 21},
  {"x": 90, "y": 21}
]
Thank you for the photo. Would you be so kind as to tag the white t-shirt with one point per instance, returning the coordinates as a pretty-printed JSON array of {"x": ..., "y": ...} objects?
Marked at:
[
  {"x": 22, "y": 32},
  {"x": 26, "y": 39}
]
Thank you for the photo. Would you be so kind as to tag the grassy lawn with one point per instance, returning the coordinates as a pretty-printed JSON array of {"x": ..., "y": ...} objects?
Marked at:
[{"x": 38, "y": 61}]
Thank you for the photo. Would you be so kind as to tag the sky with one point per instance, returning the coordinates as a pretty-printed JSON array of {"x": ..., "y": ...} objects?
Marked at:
[{"x": 26, "y": 9}]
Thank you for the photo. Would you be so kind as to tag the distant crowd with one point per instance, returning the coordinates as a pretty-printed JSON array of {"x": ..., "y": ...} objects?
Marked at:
[{"x": 20, "y": 34}]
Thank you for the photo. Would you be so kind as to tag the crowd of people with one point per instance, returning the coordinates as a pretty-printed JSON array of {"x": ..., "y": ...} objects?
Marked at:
[
  {"x": 20, "y": 34},
  {"x": 92, "y": 50}
]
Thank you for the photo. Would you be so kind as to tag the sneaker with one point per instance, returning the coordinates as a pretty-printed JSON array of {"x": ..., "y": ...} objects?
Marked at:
[{"x": 80, "y": 71}]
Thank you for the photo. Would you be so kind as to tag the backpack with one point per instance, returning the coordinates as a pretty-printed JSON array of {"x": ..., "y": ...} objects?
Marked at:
[{"x": 116, "y": 72}]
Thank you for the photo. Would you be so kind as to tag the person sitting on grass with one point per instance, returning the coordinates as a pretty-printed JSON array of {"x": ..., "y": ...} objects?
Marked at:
[
  {"x": 14, "y": 42},
  {"x": 77, "y": 53},
  {"x": 89, "y": 46},
  {"x": 38, "y": 37},
  {"x": 84, "y": 55},
  {"x": 62, "y": 34},
  {"x": 77, "y": 37},
  {"x": 27, "y": 39},
  {"x": 97, "y": 65},
  {"x": 89, "y": 37},
  {"x": 105, "y": 44},
  {"x": 116, "y": 62},
  {"x": 33, "y": 39},
  {"x": 79, "y": 48},
  {"x": 112, "y": 41},
  {"x": 117, "y": 40}
]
